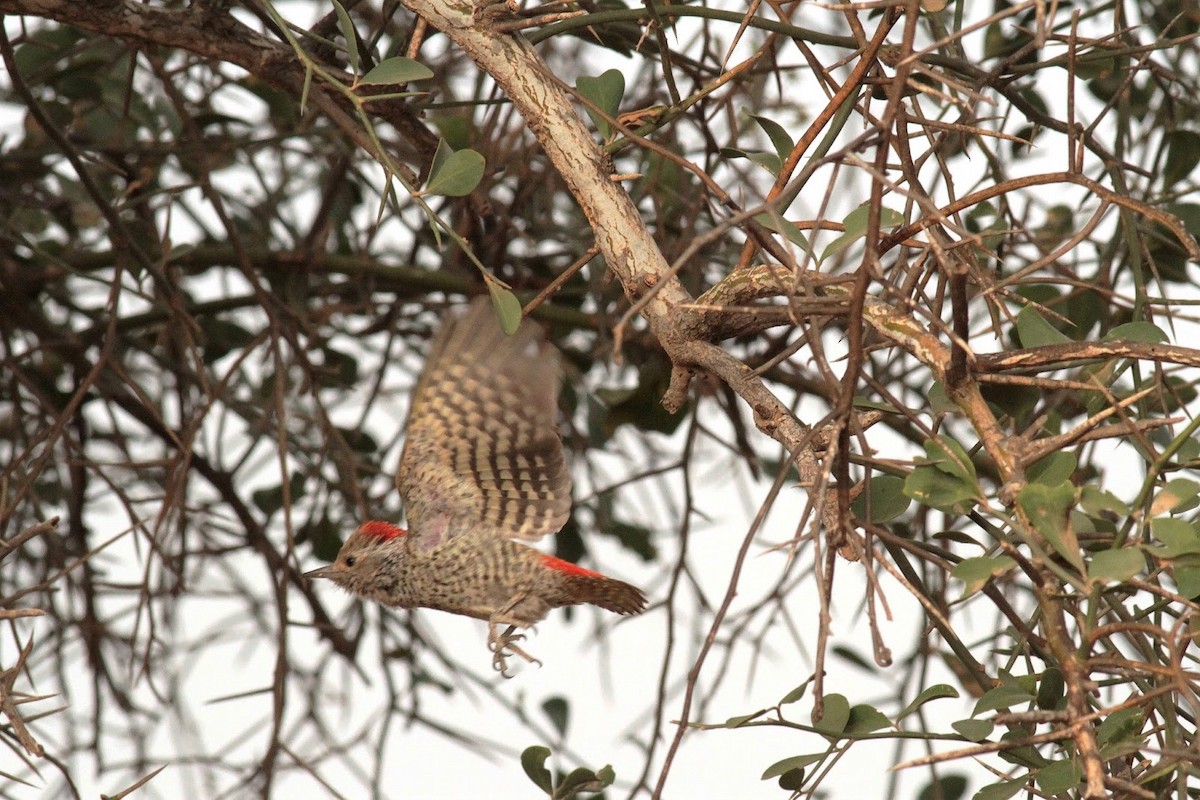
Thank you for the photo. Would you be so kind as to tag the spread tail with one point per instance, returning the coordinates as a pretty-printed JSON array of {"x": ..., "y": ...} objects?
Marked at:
[
  {"x": 608, "y": 593},
  {"x": 579, "y": 585}
]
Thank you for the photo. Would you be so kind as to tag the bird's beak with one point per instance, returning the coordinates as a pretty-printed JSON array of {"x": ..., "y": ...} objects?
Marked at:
[{"x": 324, "y": 572}]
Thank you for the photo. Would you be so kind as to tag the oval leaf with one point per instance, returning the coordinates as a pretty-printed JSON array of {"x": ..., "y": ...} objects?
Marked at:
[
  {"x": 856, "y": 228},
  {"x": 1115, "y": 566},
  {"x": 778, "y": 135},
  {"x": 795, "y": 694},
  {"x": 1183, "y": 154},
  {"x": 1001, "y": 791},
  {"x": 533, "y": 761},
  {"x": 935, "y": 692},
  {"x": 934, "y": 488},
  {"x": 508, "y": 307},
  {"x": 1059, "y": 776},
  {"x": 1003, "y": 696},
  {"x": 1178, "y": 492},
  {"x": 887, "y": 499},
  {"x": 397, "y": 70},
  {"x": 976, "y": 572},
  {"x": 789, "y": 764},
  {"x": 944, "y": 787},
  {"x": 1053, "y": 469},
  {"x": 1047, "y": 508},
  {"x": 973, "y": 730},
  {"x": 606, "y": 92},
  {"x": 1034, "y": 331},
  {"x": 837, "y": 714},
  {"x": 558, "y": 711},
  {"x": 1138, "y": 332},
  {"x": 864, "y": 719},
  {"x": 455, "y": 173}
]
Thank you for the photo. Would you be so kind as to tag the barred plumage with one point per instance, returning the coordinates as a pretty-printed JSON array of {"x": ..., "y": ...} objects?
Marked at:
[
  {"x": 482, "y": 471},
  {"x": 482, "y": 452}
]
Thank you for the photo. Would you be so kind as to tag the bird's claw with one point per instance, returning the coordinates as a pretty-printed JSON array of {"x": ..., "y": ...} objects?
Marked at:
[{"x": 498, "y": 643}]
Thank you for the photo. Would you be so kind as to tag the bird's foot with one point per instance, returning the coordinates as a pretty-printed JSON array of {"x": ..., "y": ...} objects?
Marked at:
[{"x": 504, "y": 645}]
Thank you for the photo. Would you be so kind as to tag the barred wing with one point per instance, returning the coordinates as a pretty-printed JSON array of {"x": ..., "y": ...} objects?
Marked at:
[{"x": 482, "y": 453}]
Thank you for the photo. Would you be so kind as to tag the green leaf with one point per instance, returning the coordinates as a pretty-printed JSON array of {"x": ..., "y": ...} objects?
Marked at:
[
  {"x": 339, "y": 370},
  {"x": 847, "y": 653},
  {"x": 1187, "y": 581},
  {"x": 579, "y": 780},
  {"x": 1024, "y": 755},
  {"x": 1115, "y": 566},
  {"x": 940, "y": 402},
  {"x": 606, "y": 92},
  {"x": 864, "y": 719},
  {"x": 1178, "y": 537},
  {"x": 742, "y": 719},
  {"x": 559, "y": 712},
  {"x": 946, "y": 476},
  {"x": 397, "y": 70},
  {"x": 1034, "y": 331},
  {"x": 776, "y": 223},
  {"x": 1179, "y": 494},
  {"x": 769, "y": 161},
  {"x": 533, "y": 761},
  {"x": 641, "y": 406},
  {"x": 1183, "y": 154},
  {"x": 1146, "y": 332},
  {"x": 358, "y": 440},
  {"x": 935, "y": 692},
  {"x": 976, "y": 572},
  {"x": 934, "y": 488},
  {"x": 950, "y": 457},
  {"x": 795, "y": 694},
  {"x": 635, "y": 538},
  {"x": 789, "y": 764},
  {"x": 958, "y": 536},
  {"x": 454, "y": 173},
  {"x": 1000, "y": 791},
  {"x": 779, "y": 137},
  {"x": 1119, "y": 726},
  {"x": 323, "y": 534},
  {"x": 271, "y": 499},
  {"x": 887, "y": 499},
  {"x": 1051, "y": 689},
  {"x": 856, "y": 228},
  {"x": 837, "y": 714},
  {"x": 346, "y": 26},
  {"x": 1096, "y": 501},
  {"x": 221, "y": 336},
  {"x": 1059, "y": 776},
  {"x": 792, "y": 780},
  {"x": 1005, "y": 695},
  {"x": 973, "y": 730},
  {"x": 1047, "y": 507},
  {"x": 507, "y": 306},
  {"x": 1054, "y": 468},
  {"x": 944, "y": 787}
]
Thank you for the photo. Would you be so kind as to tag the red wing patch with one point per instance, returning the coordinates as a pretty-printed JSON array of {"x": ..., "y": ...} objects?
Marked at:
[
  {"x": 568, "y": 567},
  {"x": 384, "y": 531}
]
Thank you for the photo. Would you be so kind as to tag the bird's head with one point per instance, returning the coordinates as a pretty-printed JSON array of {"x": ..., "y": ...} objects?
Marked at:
[{"x": 362, "y": 563}]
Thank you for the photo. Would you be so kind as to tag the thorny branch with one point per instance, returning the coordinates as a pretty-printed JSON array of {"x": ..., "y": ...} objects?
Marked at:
[{"x": 891, "y": 303}]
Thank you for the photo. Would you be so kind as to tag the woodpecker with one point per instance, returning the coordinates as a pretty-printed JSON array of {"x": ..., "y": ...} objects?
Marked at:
[{"x": 482, "y": 474}]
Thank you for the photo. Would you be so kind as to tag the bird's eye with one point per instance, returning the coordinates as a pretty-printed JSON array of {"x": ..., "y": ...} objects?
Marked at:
[{"x": 349, "y": 561}]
